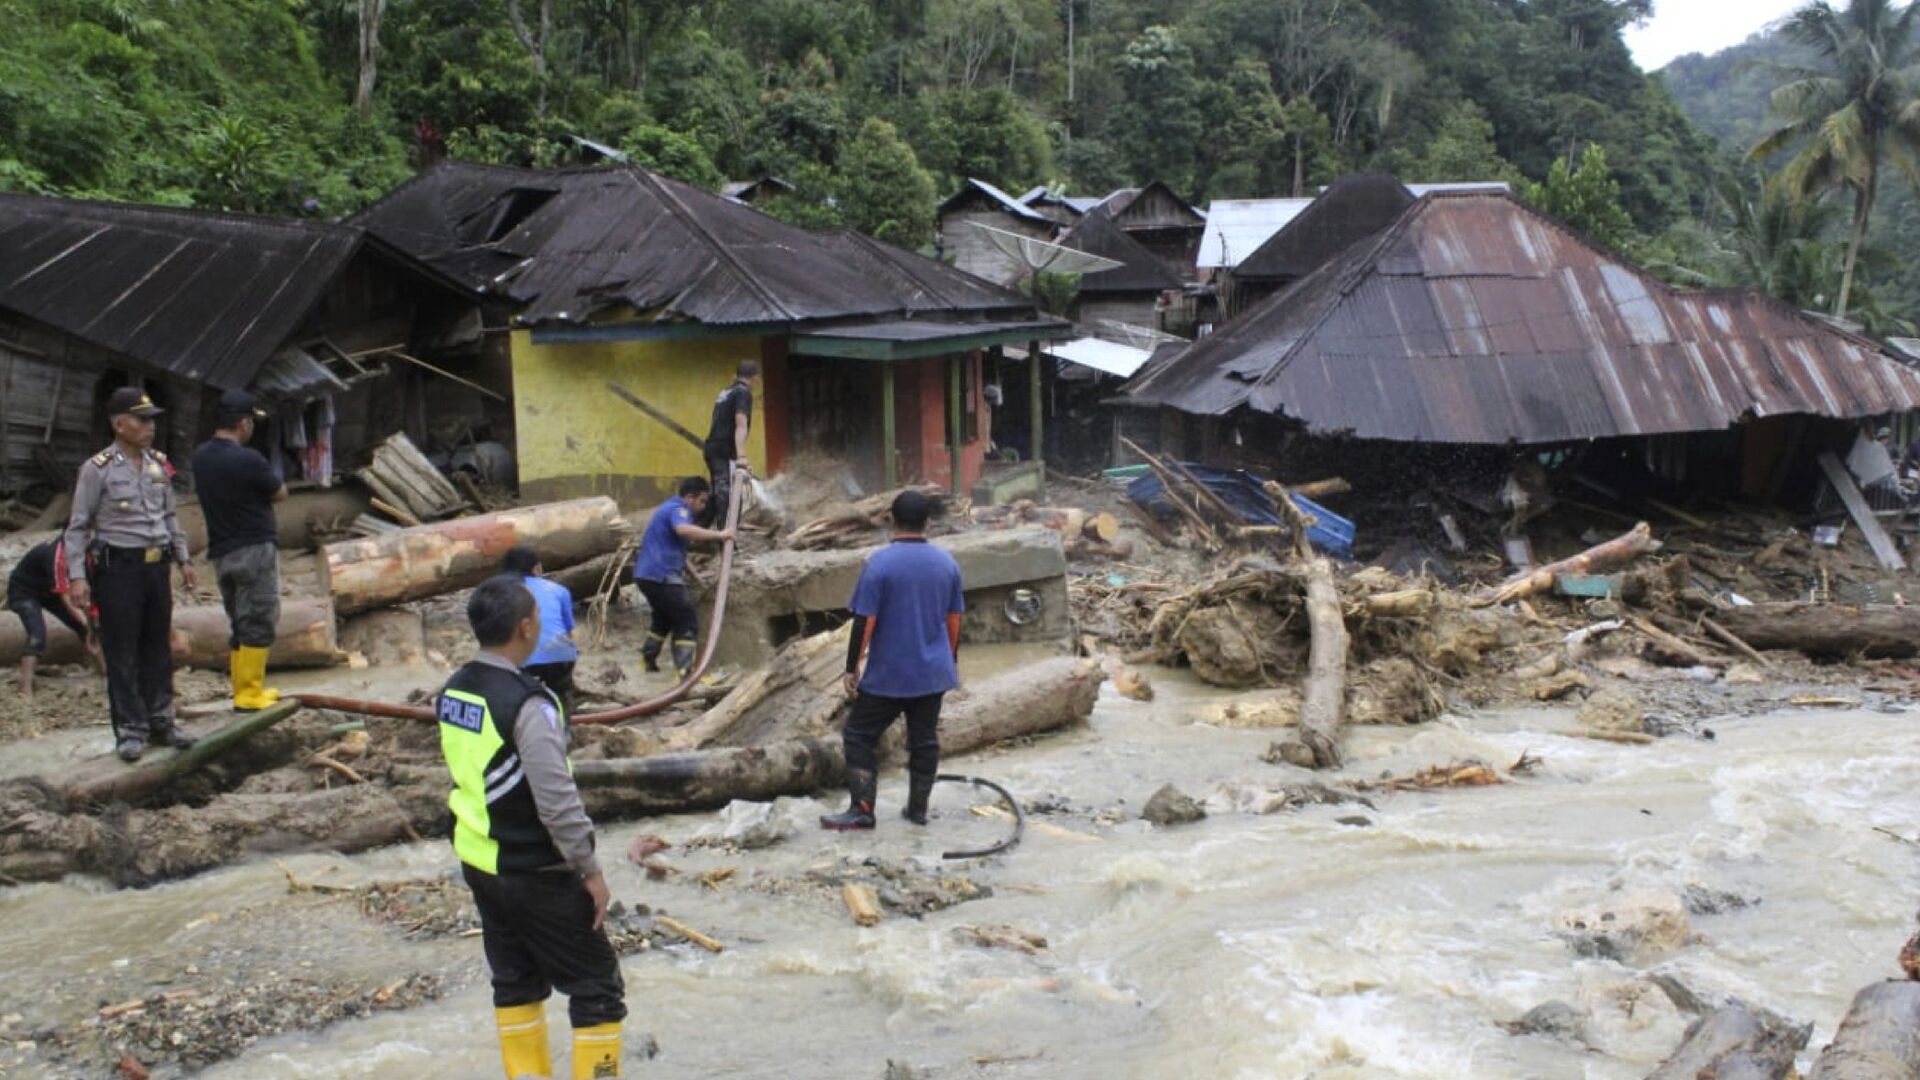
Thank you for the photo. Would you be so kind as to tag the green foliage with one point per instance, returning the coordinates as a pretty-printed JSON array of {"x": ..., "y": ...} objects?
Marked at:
[
  {"x": 1462, "y": 147},
  {"x": 883, "y": 191},
  {"x": 1052, "y": 293},
  {"x": 1587, "y": 198}
]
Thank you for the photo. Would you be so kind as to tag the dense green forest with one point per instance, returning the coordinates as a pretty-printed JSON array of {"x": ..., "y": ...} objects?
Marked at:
[
  {"x": 316, "y": 106},
  {"x": 1729, "y": 95},
  {"x": 874, "y": 109}
]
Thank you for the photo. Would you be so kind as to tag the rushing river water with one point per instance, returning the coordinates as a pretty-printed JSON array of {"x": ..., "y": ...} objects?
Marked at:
[{"x": 1283, "y": 946}]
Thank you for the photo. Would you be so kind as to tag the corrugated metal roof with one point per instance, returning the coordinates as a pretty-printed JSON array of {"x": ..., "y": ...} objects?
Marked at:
[
  {"x": 568, "y": 244},
  {"x": 1351, "y": 208},
  {"x": 1237, "y": 227},
  {"x": 205, "y": 296},
  {"x": 999, "y": 198},
  {"x": 1139, "y": 269},
  {"x": 1457, "y": 187},
  {"x": 1474, "y": 319}
]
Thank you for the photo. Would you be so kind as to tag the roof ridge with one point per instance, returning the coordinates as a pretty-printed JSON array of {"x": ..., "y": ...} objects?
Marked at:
[
  {"x": 869, "y": 244},
  {"x": 720, "y": 251}
]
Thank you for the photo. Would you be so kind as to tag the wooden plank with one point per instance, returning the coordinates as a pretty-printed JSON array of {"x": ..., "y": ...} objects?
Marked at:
[
  {"x": 670, "y": 423},
  {"x": 1883, "y": 546}
]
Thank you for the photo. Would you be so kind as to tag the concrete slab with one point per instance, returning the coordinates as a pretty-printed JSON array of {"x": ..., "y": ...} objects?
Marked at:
[{"x": 782, "y": 594}]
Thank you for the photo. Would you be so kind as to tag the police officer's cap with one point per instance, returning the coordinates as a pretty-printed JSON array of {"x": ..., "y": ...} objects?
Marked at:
[
  {"x": 132, "y": 399},
  {"x": 238, "y": 405}
]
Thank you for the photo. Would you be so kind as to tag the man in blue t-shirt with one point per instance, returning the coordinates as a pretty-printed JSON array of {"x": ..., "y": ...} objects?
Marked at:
[
  {"x": 660, "y": 571},
  {"x": 555, "y": 654},
  {"x": 906, "y": 620}
]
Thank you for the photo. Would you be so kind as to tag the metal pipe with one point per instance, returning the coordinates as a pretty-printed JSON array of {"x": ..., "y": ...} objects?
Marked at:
[{"x": 611, "y": 716}]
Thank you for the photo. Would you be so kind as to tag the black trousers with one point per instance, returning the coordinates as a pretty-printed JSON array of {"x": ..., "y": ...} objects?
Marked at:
[
  {"x": 558, "y": 677},
  {"x": 871, "y": 715},
  {"x": 720, "y": 477},
  {"x": 674, "y": 615},
  {"x": 135, "y": 598},
  {"x": 32, "y": 609},
  {"x": 537, "y": 931}
]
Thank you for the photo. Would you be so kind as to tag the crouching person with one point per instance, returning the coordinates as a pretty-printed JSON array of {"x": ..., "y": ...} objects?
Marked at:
[
  {"x": 526, "y": 844},
  {"x": 906, "y": 620}
]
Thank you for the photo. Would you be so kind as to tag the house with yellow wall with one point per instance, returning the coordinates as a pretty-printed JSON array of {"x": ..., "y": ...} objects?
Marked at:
[{"x": 626, "y": 300}]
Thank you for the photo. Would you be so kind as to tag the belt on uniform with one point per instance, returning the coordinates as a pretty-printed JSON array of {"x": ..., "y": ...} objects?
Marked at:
[{"x": 112, "y": 554}]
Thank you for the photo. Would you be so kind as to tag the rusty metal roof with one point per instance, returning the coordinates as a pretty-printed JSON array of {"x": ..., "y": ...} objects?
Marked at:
[
  {"x": 566, "y": 245},
  {"x": 1475, "y": 319},
  {"x": 205, "y": 296}
]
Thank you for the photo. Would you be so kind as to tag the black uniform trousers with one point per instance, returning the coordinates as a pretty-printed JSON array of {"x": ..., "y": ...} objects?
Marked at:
[
  {"x": 537, "y": 930},
  {"x": 871, "y": 715},
  {"x": 558, "y": 677},
  {"x": 674, "y": 615},
  {"x": 720, "y": 477},
  {"x": 135, "y": 598}
]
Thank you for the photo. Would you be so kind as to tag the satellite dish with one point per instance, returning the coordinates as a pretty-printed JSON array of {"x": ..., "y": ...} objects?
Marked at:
[{"x": 1035, "y": 256}]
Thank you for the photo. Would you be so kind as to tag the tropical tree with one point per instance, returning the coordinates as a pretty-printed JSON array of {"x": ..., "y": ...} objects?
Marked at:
[
  {"x": 883, "y": 191},
  {"x": 1587, "y": 198},
  {"x": 1779, "y": 243},
  {"x": 1855, "y": 107}
]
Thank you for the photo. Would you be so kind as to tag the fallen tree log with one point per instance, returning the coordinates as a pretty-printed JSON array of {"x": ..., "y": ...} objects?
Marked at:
[
  {"x": 1876, "y": 632},
  {"x": 1735, "y": 1042},
  {"x": 797, "y": 695},
  {"x": 1624, "y": 548},
  {"x": 108, "y": 779},
  {"x": 395, "y": 567},
  {"x": 1878, "y": 1040},
  {"x": 1026, "y": 701},
  {"x": 305, "y": 636},
  {"x": 1323, "y": 700}
]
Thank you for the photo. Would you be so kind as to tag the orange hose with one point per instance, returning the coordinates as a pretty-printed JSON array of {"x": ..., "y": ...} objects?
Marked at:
[{"x": 611, "y": 716}]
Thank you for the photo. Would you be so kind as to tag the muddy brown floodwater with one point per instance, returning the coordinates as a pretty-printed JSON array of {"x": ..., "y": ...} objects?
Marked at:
[{"x": 1337, "y": 942}]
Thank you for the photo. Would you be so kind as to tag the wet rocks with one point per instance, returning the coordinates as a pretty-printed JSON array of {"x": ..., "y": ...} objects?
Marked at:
[
  {"x": 1702, "y": 900},
  {"x": 1171, "y": 806},
  {"x": 900, "y": 887},
  {"x": 1613, "y": 712},
  {"x": 1241, "y": 797},
  {"x": 1635, "y": 928},
  {"x": 1552, "y": 1020}
]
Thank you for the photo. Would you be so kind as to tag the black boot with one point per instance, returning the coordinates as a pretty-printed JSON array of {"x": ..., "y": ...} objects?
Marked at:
[
  {"x": 859, "y": 811},
  {"x": 650, "y": 653},
  {"x": 683, "y": 657},
  {"x": 919, "y": 788}
]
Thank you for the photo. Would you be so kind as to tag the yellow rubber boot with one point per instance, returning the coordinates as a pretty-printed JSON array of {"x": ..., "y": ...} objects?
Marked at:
[
  {"x": 249, "y": 679},
  {"x": 523, "y": 1040},
  {"x": 596, "y": 1051}
]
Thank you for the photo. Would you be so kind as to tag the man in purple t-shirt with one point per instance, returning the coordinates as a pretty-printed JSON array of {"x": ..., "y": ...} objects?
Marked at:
[{"x": 906, "y": 620}]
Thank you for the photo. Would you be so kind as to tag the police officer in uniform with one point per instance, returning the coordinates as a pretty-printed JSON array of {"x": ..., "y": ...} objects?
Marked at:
[
  {"x": 124, "y": 517},
  {"x": 526, "y": 844}
]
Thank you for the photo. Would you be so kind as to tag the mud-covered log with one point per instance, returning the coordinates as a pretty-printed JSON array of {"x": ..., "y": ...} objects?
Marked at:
[
  {"x": 1878, "y": 1040},
  {"x": 108, "y": 779},
  {"x": 1026, "y": 701},
  {"x": 1323, "y": 703},
  {"x": 796, "y": 695},
  {"x": 1827, "y": 630},
  {"x": 183, "y": 840},
  {"x": 1735, "y": 1042},
  {"x": 305, "y": 636},
  {"x": 1621, "y": 549},
  {"x": 413, "y": 563}
]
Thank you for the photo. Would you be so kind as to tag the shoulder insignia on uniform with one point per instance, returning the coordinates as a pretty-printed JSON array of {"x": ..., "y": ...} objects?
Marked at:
[
  {"x": 158, "y": 456},
  {"x": 103, "y": 457}
]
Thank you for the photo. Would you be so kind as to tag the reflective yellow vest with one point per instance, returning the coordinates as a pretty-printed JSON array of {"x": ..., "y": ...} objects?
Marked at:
[{"x": 496, "y": 826}]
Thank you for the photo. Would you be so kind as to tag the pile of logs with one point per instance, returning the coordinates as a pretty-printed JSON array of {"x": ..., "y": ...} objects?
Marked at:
[
  {"x": 1083, "y": 534},
  {"x": 406, "y": 487},
  {"x": 861, "y": 524}
]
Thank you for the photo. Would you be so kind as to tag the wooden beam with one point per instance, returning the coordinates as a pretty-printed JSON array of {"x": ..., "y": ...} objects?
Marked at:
[
  {"x": 445, "y": 374},
  {"x": 889, "y": 449},
  {"x": 954, "y": 409},
  {"x": 1036, "y": 410},
  {"x": 1862, "y": 514},
  {"x": 671, "y": 424}
]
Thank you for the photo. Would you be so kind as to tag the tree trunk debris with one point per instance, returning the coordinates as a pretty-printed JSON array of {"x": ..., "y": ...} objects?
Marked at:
[
  {"x": 1878, "y": 1040},
  {"x": 1735, "y": 1042}
]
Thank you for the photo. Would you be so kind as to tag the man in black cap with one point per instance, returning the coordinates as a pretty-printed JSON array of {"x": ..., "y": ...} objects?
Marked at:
[
  {"x": 237, "y": 491},
  {"x": 124, "y": 517},
  {"x": 726, "y": 444}
]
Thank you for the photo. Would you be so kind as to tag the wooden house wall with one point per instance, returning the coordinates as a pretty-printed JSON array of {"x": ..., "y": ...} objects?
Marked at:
[{"x": 968, "y": 249}]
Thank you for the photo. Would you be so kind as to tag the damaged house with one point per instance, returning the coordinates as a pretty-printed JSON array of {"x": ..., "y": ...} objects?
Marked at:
[
  {"x": 338, "y": 332},
  {"x": 614, "y": 276},
  {"x": 1469, "y": 320}
]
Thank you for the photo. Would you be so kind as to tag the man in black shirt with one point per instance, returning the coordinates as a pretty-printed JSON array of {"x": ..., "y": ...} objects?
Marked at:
[
  {"x": 726, "y": 444},
  {"x": 237, "y": 492},
  {"x": 37, "y": 585}
]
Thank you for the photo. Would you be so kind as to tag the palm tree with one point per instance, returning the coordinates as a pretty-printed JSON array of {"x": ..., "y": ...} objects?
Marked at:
[
  {"x": 1778, "y": 243},
  {"x": 1855, "y": 107}
]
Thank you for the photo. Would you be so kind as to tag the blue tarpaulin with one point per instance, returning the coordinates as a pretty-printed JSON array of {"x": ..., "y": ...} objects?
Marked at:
[{"x": 1246, "y": 495}]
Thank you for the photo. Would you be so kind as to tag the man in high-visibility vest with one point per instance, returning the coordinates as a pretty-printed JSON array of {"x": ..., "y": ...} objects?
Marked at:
[{"x": 526, "y": 843}]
